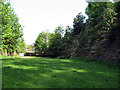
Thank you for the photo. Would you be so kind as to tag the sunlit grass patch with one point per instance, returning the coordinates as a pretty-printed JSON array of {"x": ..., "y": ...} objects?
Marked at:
[
  {"x": 66, "y": 60},
  {"x": 21, "y": 67},
  {"x": 78, "y": 70},
  {"x": 57, "y": 71}
]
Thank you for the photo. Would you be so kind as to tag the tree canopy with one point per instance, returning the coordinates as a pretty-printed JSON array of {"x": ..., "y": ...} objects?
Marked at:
[
  {"x": 103, "y": 22},
  {"x": 12, "y": 31}
]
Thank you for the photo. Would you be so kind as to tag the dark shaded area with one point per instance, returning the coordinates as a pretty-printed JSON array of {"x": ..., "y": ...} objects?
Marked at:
[
  {"x": 38, "y": 55},
  {"x": 30, "y": 54}
]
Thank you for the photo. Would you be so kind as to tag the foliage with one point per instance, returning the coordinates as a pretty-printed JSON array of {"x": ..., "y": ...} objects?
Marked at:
[
  {"x": 55, "y": 45},
  {"x": 0, "y": 27},
  {"x": 103, "y": 22},
  {"x": 115, "y": 32},
  {"x": 101, "y": 16},
  {"x": 12, "y": 31},
  {"x": 59, "y": 30},
  {"x": 50, "y": 44},
  {"x": 67, "y": 41},
  {"x": 78, "y": 24},
  {"x": 29, "y": 46},
  {"x": 55, "y": 42},
  {"x": 21, "y": 46},
  {"x": 41, "y": 43}
]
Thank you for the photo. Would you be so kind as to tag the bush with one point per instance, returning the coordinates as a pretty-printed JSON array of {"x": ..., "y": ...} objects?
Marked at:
[{"x": 62, "y": 57}]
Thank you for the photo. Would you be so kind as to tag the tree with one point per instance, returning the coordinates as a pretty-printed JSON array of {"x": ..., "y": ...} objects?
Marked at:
[
  {"x": 117, "y": 10},
  {"x": 59, "y": 30},
  {"x": 101, "y": 16},
  {"x": 29, "y": 46},
  {"x": 55, "y": 42},
  {"x": 55, "y": 45},
  {"x": 68, "y": 31},
  {"x": 41, "y": 44},
  {"x": 12, "y": 31},
  {"x": 115, "y": 32},
  {"x": 0, "y": 27},
  {"x": 78, "y": 24},
  {"x": 67, "y": 41},
  {"x": 21, "y": 46}
]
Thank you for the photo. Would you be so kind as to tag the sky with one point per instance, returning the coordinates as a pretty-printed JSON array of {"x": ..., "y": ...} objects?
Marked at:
[{"x": 42, "y": 15}]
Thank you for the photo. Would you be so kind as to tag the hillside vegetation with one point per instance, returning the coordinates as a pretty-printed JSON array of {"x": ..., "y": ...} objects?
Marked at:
[{"x": 97, "y": 37}]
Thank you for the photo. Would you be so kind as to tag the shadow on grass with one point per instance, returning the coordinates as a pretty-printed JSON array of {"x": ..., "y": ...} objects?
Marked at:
[
  {"x": 56, "y": 73},
  {"x": 8, "y": 59}
]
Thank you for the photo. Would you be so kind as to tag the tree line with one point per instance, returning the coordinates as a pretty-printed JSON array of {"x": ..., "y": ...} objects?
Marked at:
[{"x": 103, "y": 20}]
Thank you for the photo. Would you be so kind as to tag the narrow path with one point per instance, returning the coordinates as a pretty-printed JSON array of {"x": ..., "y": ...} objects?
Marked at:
[{"x": 27, "y": 57}]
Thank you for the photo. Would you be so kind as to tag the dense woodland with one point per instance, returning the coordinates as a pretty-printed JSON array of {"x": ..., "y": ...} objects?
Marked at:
[{"x": 96, "y": 37}]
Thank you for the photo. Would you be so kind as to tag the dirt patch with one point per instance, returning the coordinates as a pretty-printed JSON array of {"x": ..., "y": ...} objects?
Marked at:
[{"x": 27, "y": 57}]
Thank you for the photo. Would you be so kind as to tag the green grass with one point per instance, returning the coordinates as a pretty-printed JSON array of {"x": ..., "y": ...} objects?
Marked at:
[{"x": 39, "y": 72}]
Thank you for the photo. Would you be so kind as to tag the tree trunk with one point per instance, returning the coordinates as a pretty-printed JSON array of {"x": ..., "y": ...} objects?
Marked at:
[
  {"x": 14, "y": 53},
  {"x": 8, "y": 53},
  {"x": 5, "y": 52}
]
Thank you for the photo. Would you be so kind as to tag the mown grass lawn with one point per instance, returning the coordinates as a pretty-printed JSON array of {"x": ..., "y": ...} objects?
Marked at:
[{"x": 39, "y": 72}]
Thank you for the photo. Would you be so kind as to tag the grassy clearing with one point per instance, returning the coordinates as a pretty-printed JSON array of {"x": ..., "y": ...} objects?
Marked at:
[{"x": 39, "y": 72}]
